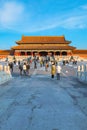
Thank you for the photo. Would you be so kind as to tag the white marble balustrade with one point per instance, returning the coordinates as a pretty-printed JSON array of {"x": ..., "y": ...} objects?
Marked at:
[
  {"x": 82, "y": 73},
  {"x": 5, "y": 74}
]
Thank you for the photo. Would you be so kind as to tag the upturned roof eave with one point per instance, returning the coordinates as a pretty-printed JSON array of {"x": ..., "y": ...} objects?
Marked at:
[
  {"x": 21, "y": 42},
  {"x": 42, "y": 48}
]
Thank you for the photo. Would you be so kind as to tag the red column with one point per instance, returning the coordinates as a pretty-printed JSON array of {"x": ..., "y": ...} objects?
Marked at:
[
  {"x": 60, "y": 53},
  {"x": 19, "y": 54},
  {"x": 31, "y": 53},
  {"x": 25, "y": 53},
  {"x": 54, "y": 53}
]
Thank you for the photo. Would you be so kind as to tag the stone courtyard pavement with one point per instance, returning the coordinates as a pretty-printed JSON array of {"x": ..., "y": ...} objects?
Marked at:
[{"x": 37, "y": 102}]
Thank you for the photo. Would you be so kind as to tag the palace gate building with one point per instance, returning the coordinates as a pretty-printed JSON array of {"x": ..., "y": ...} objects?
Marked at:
[{"x": 43, "y": 45}]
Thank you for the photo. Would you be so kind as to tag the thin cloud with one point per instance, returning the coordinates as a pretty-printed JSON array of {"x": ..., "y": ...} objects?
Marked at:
[
  {"x": 84, "y": 7},
  {"x": 75, "y": 22},
  {"x": 12, "y": 17},
  {"x": 10, "y": 13}
]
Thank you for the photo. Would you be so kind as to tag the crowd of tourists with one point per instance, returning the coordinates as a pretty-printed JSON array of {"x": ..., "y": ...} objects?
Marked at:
[
  {"x": 49, "y": 63},
  {"x": 23, "y": 67}
]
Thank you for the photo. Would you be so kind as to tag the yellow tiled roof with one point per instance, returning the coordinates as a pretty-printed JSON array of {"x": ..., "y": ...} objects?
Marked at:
[{"x": 43, "y": 39}]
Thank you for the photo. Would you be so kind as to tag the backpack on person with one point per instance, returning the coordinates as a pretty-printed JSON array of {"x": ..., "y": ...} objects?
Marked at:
[
  {"x": 28, "y": 66},
  {"x": 20, "y": 67}
]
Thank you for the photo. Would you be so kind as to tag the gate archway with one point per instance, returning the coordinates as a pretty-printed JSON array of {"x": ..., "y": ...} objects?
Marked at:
[
  {"x": 43, "y": 53},
  {"x": 22, "y": 53},
  {"x": 64, "y": 53},
  {"x": 57, "y": 53},
  {"x": 28, "y": 53}
]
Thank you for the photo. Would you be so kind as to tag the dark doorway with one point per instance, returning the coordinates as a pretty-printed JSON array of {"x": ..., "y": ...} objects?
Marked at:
[
  {"x": 28, "y": 53},
  {"x": 22, "y": 53},
  {"x": 64, "y": 53},
  {"x": 43, "y": 53},
  {"x": 58, "y": 53}
]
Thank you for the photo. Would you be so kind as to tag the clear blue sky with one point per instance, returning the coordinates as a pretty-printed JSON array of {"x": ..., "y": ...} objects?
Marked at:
[{"x": 43, "y": 17}]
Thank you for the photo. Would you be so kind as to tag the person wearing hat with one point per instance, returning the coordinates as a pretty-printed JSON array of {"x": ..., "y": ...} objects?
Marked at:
[{"x": 53, "y": 70}]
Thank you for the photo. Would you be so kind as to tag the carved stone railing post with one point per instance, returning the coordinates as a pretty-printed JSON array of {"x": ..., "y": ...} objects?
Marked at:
[
  {"x": 82, "y": 72},
  {"x": 5, "y": 74}
]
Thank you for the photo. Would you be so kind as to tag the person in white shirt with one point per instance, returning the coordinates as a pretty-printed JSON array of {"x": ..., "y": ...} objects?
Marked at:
[{"x": 58, "y": 71}]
